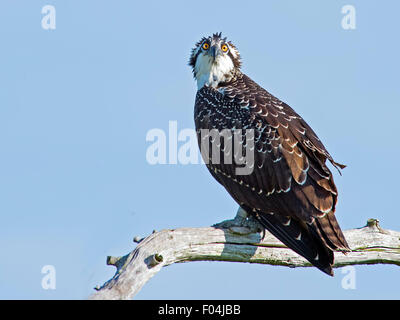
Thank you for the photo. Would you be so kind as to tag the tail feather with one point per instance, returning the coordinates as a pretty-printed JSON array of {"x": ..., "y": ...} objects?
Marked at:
[
  {"x": 330, "y": 232},
  {"x": 300, "y": 237}
]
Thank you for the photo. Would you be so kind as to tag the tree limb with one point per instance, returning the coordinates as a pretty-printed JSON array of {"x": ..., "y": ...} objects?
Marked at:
[{"x": 237, "y": 240}]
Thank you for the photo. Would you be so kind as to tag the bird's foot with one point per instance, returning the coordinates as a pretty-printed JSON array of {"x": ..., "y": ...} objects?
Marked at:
[{"x": 243, "y": 223}]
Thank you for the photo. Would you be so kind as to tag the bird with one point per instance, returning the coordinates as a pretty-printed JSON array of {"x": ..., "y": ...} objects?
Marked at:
[{"x": 289, "y": 190}]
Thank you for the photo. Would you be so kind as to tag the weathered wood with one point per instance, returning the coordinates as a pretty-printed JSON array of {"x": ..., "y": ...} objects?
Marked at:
[{"x": 237, "y": 240}]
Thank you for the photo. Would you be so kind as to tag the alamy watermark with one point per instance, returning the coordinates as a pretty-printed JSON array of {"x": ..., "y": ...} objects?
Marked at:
[
  {"x": 349, "y": 280},
  {"x": 49, "y": 278},
  {"x": 349, "y": 18},
  {"x": 49, "y": 18},
  {"x": 228, "y": 146}
]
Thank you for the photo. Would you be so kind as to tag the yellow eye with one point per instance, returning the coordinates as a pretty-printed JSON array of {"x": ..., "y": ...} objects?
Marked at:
[
  {"x": 224, "y": 48},
  {"x": 206, "y": 46}
]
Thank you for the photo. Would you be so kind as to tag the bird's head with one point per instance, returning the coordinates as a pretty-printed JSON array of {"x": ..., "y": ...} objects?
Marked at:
[{"x": 214, "y": 60}]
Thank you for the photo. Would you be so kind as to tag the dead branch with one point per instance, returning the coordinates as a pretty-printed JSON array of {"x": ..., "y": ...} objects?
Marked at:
[{"x": 237, "y": 240}]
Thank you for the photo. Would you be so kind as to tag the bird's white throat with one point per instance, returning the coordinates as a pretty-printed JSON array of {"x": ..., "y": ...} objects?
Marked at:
[{"x": 210, "y": 72}]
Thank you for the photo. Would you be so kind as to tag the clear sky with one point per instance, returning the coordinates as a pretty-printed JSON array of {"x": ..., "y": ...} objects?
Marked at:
[{"x": 77, "y": 101}]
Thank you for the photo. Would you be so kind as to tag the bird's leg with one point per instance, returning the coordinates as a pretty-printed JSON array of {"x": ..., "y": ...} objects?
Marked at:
[
  {"x": 242, "y": 223},
  {"x": 241, "y": 217},
  {"x": 238, "y": 221}
]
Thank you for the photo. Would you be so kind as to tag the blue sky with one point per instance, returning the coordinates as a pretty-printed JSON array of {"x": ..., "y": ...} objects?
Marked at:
[{"x": 77, "y": 102}]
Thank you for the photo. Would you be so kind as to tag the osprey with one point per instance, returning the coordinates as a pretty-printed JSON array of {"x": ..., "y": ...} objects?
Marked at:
[{"x": 289, "y": 189}]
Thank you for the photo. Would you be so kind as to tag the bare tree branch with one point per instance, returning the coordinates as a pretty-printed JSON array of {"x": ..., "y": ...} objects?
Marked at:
[{"x": 237, "y": 240}]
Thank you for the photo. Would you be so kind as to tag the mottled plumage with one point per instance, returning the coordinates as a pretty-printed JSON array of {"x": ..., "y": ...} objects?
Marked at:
[{"x": 290, "y": 190}]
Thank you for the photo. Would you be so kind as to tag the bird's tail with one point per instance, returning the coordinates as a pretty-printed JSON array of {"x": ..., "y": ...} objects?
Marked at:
[
  {"x": 308, "y": 240},
  {"x": 330, "y": 232}
]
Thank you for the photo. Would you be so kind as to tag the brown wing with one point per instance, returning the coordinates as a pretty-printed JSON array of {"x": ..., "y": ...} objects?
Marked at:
[{"x": 291, "y": 190}]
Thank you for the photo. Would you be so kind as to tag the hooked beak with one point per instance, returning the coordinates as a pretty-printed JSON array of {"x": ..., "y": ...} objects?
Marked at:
[{"x": 214, "y": 52}]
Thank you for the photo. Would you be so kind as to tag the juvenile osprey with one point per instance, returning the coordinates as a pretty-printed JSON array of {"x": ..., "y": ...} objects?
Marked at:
[{"x": 289, "y": 190}]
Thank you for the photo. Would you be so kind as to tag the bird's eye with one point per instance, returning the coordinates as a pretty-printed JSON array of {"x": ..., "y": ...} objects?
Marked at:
[
  {"x": 206, "y": 46},
  {"x": 224, "y": 48}
]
